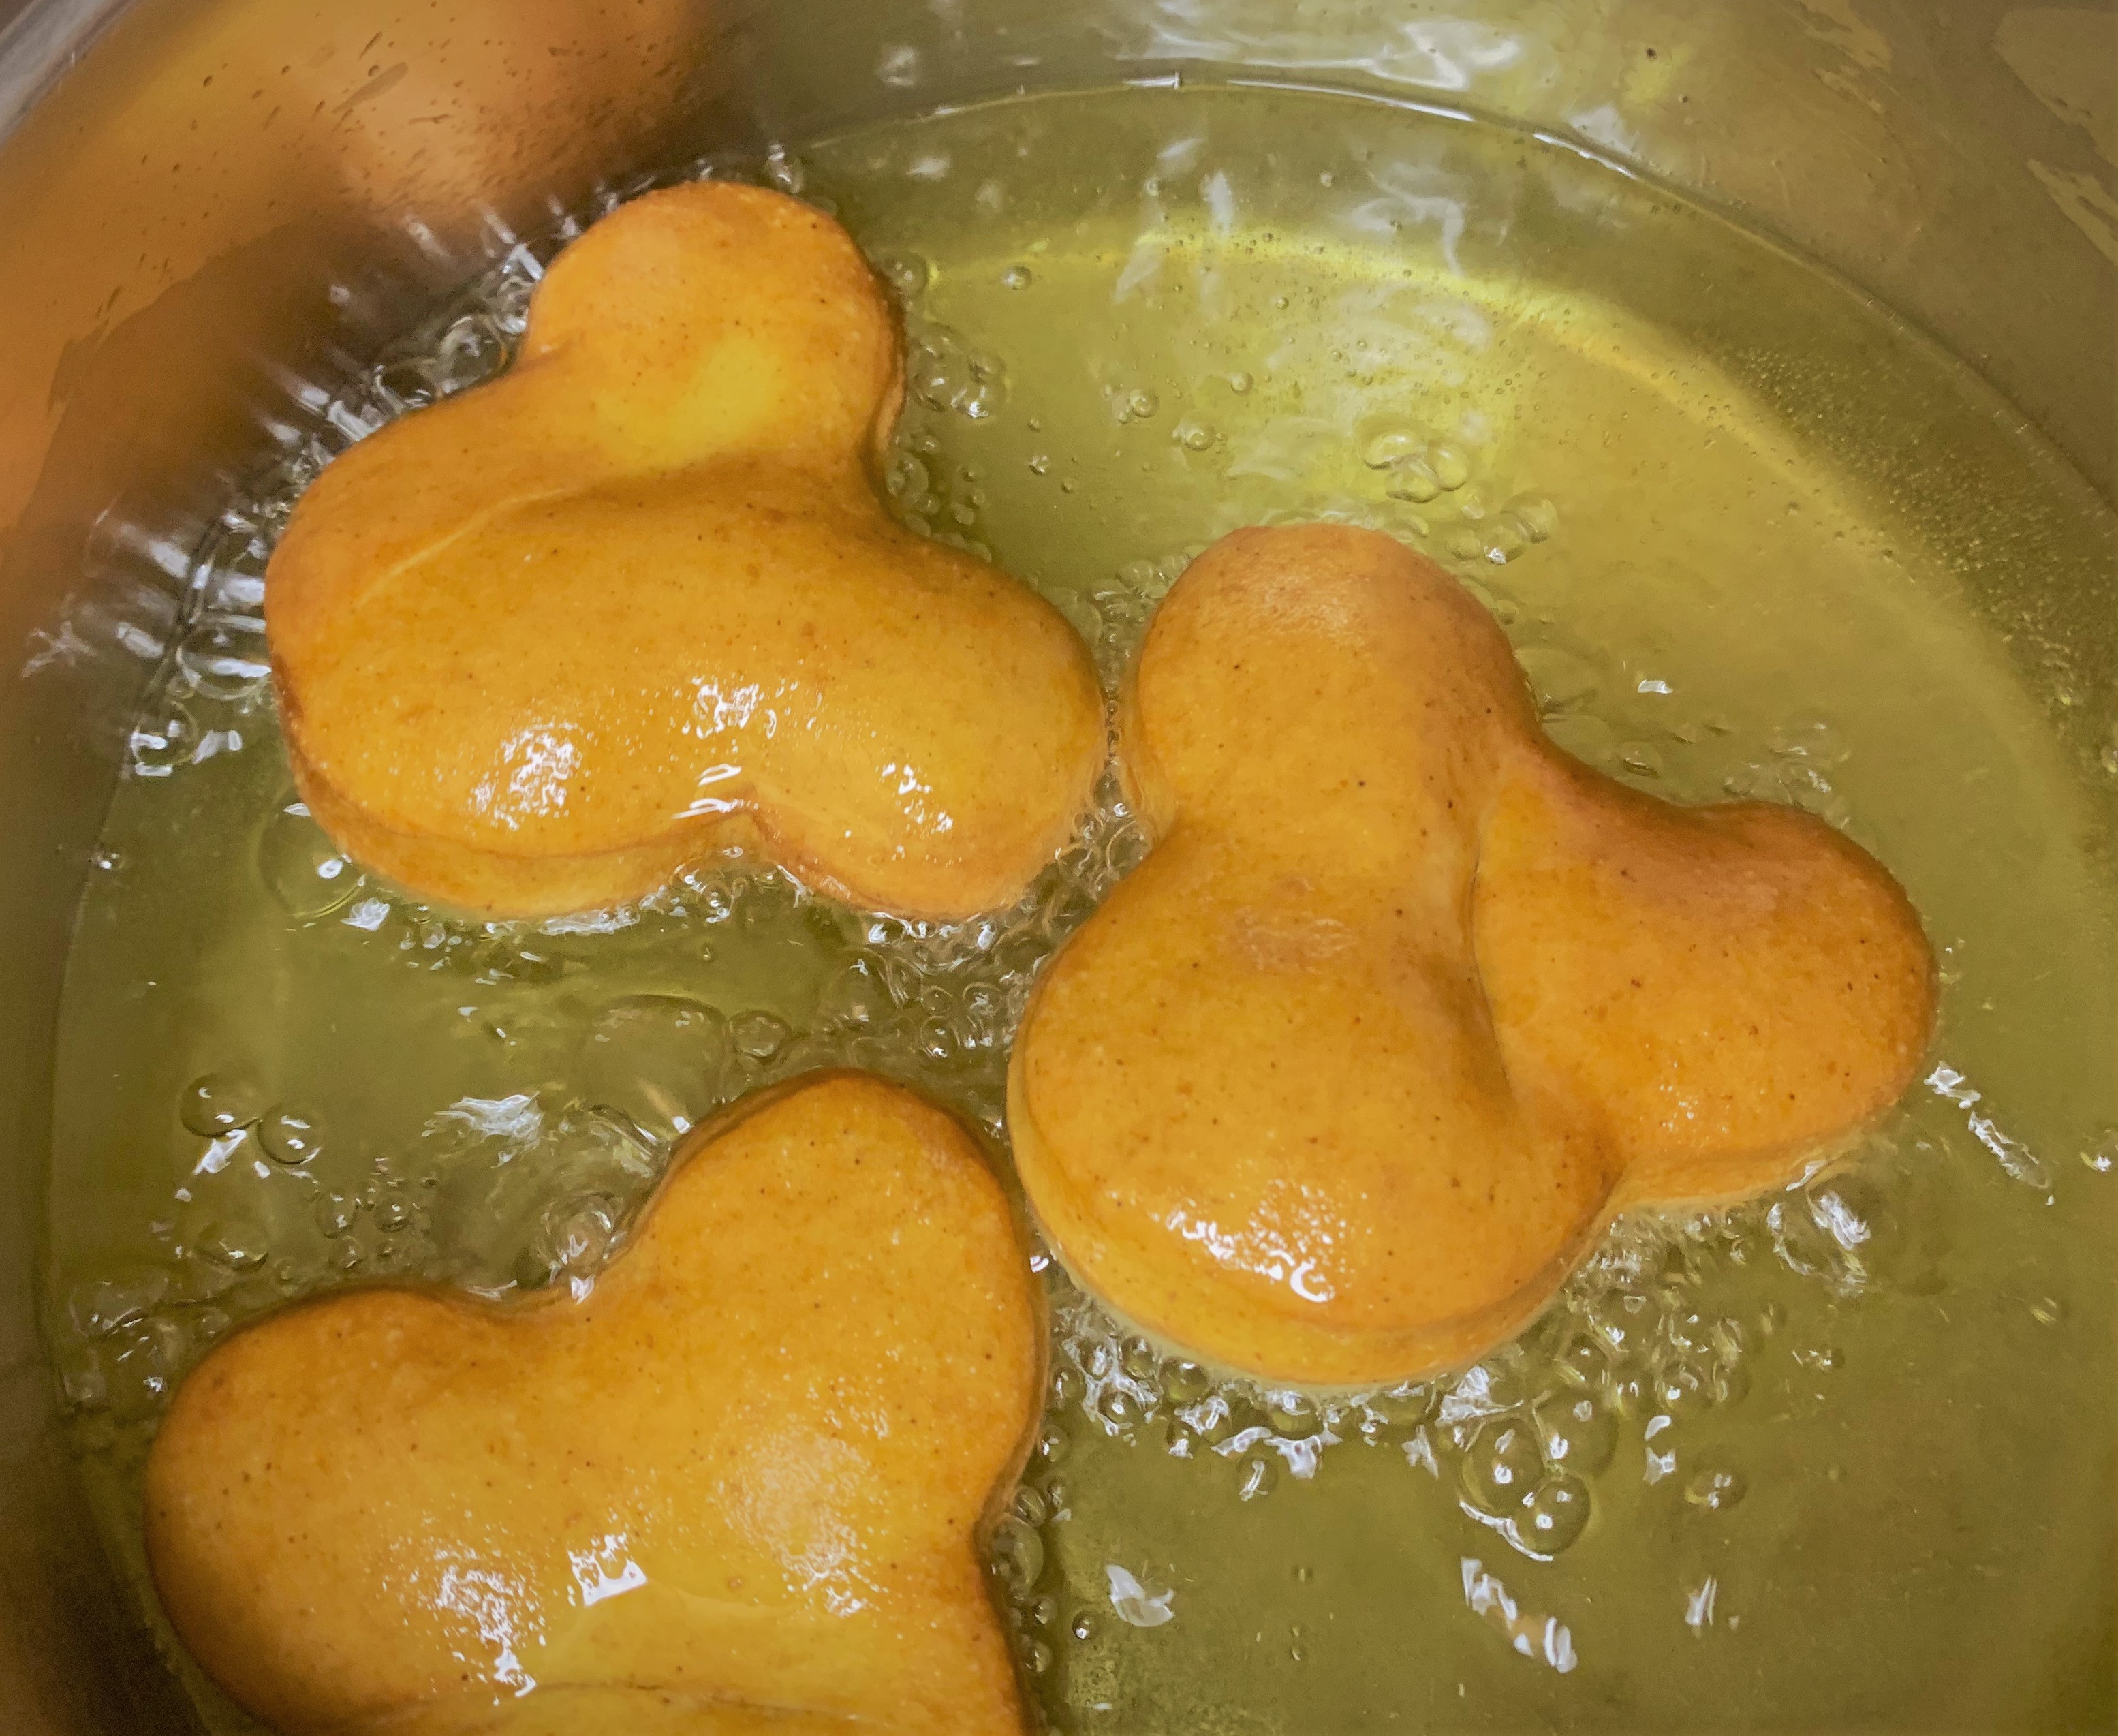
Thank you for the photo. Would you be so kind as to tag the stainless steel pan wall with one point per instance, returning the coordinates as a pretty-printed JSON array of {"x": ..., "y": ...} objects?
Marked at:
[{"x": 206, "y": 206}]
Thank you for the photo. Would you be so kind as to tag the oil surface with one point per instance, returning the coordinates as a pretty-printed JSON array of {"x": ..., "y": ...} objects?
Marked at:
[{"x": 1836, "y": 1460}]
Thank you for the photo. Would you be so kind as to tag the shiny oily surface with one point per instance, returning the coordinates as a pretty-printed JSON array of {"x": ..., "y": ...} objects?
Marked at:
[
  {"x": 638, "y": 599},
  {"x": 1843, "y": 1447},
  {"x": 1339, "y": 1085},
  {"x": 743, "y": 1477}
]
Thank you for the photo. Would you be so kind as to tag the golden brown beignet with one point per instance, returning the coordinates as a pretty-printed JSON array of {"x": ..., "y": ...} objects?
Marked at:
[
  {"x": 1405, "y": 1002},
  {"x": 738, "y": 1486},
  {"x": 639, "y": 598}
]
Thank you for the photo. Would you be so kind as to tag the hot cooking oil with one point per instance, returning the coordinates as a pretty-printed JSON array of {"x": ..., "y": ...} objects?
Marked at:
[{"x": 1830, "y": 1461}]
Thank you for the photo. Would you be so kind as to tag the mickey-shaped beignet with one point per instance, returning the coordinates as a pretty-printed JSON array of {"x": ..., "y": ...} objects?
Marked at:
[
  {"x": 1404, "y": 1002},
  {"x": 639, "y": 598},
  {"x": 739, "y": 1486}
]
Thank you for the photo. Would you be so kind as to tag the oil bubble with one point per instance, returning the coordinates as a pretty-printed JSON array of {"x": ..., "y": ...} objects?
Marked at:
[
  {"x": 899, "y": 66},
  {"x": 1450, "y": 467},
  {"x": 1017, "y": 1553},
  {"x": 1716, "y": 1488},
  {"x": 1561, "y": 680},
  {"x": 658, "y": 1060},
  {"x": 1553, "y": 1515},
  {"x": 1017, "y": 277},
  {"x": 1580, "y": 1356},
  {"x": 1682, "y": 1388},
  {"x": 1538, "y": 517},
  {"x": 1292, "y": 1415},
  {"x": 1412, "y": 480},
  {"x": 216, "y": 1104},
  {"x": 472, "y": 350},
  {"x": 1505, "y": 540},
  {"x": 403, "y": 385},
  {"x": 301, "y": 867},
  {"x": 291, "y": 1137},
  {"x": 1136, "y": 1357},
  {"x": 1119, "y": 1409},
  {"x": 224, "y": 657},
  {"x": 1405, "y": 1407},
  {"x": 167, "y": 736},
  {"x": 82, "y": 1382},
  {"x": 1390, "y": 446},
  {"x": 1642, "y": 759},
  {"x": 783, "y": 170},
  {"x": 1577, "y": 1433},
  {"x": 1504, "y": 1464},
  {"x": 1185, "y": 1382},
  {"x": 99, "y": 1308},
  {"x": 234, "y": 1244},
  {"x": 944, "y": 372},
  {"x": 231, "y": 576},
  {"x": 910, "y": 483},
  {"x": 1626, "y": 1386},
  {"x": 759, "y": 1035},
  {"x": 1809, "y": 738}
]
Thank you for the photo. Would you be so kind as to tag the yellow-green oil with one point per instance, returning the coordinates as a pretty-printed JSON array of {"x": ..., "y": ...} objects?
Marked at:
[{"x": 1839, "y": 1460}]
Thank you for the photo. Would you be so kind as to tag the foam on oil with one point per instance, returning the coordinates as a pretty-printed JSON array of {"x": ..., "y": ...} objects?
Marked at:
[{"x": 1748, "y": 537}]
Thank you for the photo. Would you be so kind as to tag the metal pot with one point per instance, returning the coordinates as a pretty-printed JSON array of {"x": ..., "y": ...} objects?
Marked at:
[{"x": 204, "y": 202}]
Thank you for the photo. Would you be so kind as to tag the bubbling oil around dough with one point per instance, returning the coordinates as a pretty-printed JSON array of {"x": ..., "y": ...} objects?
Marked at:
[{"x": 1748, "y": 537}]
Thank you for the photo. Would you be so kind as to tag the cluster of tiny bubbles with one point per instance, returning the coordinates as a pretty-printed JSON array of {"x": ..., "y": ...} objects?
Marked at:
[
  {"x": 535, "y": 1188},
  {"x": 944, "y": 376},
  {"x": 1112, "y": 616},
  {"x": 1132, "y": 403},
  {"x": 254, "y": 1224},
  {"x": 522, "y": 1197},
  {"x": 1797, "y": 769},
  {"x": 214, "y": 687},
  {"x": 1635, "y": 729},
  {"x": 1646, "y": 1337},
  {"x": 946, "y": 372},
  {"x": 1455, "y": 501},
  {"x": 930, "y": 497},
  {"x": 165, "y": 737},
  {"x": 937, "y": 1003},
  {"x": 306, "y": 873}
]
